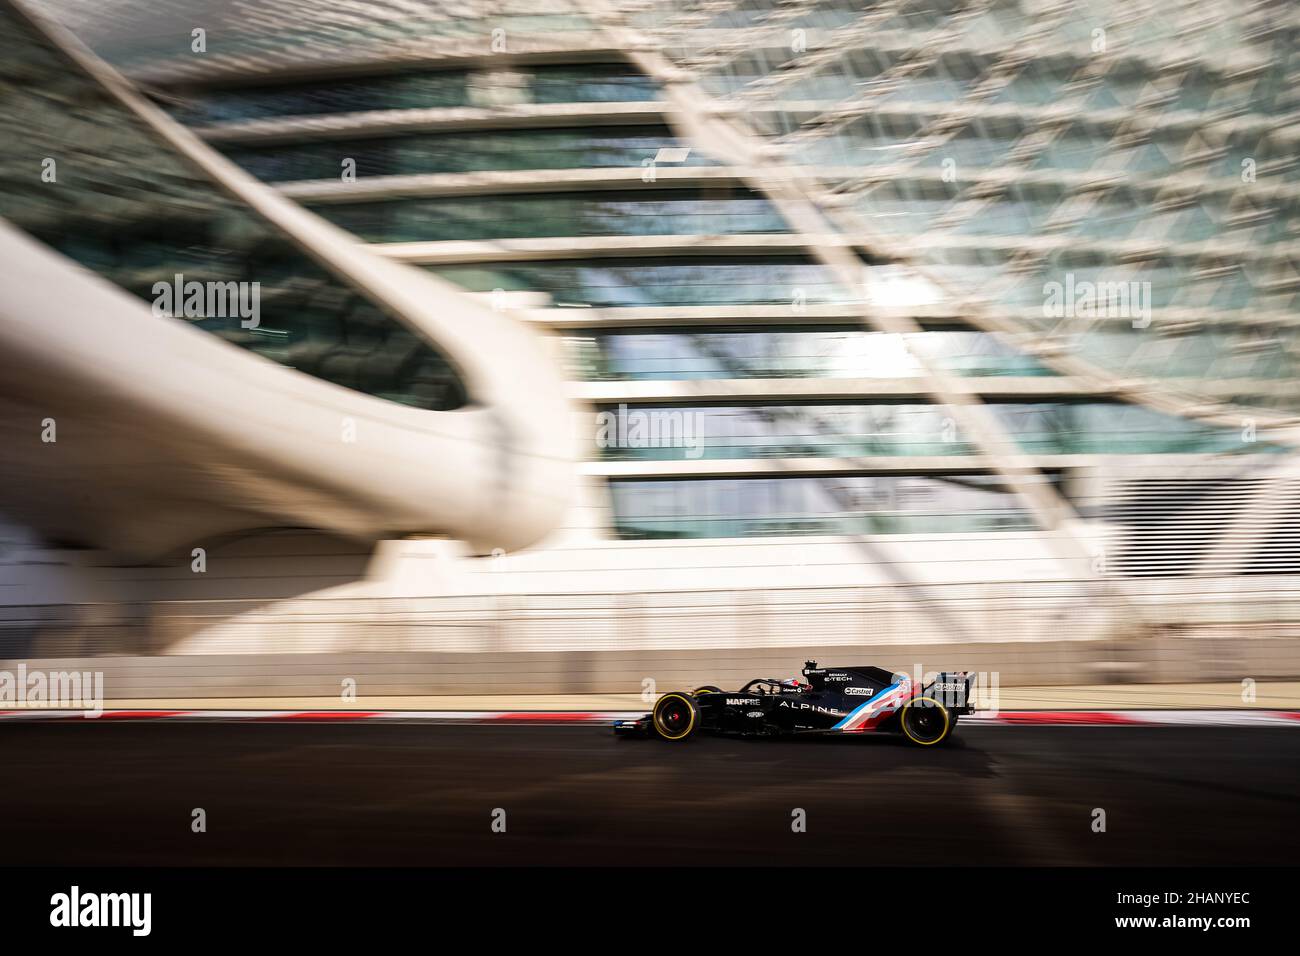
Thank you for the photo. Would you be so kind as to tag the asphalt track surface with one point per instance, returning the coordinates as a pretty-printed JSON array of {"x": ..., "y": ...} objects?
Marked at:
[{"x": 99, "y": 793}]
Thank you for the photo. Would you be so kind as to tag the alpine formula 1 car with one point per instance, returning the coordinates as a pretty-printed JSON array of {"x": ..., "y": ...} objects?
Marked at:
[{"x": 832, "y": 700}]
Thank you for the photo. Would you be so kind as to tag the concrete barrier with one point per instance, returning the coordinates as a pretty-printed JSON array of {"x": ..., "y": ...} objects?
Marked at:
[{"x": 1171, "y": 658}]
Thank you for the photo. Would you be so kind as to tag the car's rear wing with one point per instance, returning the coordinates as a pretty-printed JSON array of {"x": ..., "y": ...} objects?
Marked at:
[{"x": 954, "y": 689}]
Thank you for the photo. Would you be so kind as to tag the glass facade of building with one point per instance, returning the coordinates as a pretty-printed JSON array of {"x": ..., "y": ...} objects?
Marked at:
[
  {"x": 790, "y": 352},
  {"x": 661, "y": 281},
  {"x": 1043, "y": 145},
  {"x": 124, "y": 204},
  {"x": 852, "y": 505},
  {"x": 837, "y": 430},
  {"x": 660, "y": 213},
  {"x": 443, "y": 89},
  {"x": 1061, "y": 206},
  {"x": 462, "y": 152}
]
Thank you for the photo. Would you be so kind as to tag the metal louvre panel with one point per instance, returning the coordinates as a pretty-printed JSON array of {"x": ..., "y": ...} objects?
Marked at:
[
  {"x": 1279, "y": 546},
  {"x": 1173, "y": 524},
  {"x": 1202, "y": 517}
]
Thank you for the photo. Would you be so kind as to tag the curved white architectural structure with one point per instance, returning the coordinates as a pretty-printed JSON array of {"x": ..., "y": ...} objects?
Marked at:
[{"x": 139, "y": 433}]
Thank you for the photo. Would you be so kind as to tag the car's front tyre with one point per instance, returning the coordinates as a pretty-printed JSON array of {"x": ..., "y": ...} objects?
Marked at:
[
  {"x": 676, "y": 716},
  {"x": 925, "y": 722}
]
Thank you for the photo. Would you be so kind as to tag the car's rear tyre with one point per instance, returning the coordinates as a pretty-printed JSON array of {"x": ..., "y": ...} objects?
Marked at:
[
  {"x": 925, "y": 722},
  {"x": 706, "y": 689},
  {"x": 676, "y": 716}
]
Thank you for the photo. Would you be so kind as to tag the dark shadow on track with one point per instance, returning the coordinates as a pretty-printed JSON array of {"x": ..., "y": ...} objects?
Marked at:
[{"x": 369, "y": 794}]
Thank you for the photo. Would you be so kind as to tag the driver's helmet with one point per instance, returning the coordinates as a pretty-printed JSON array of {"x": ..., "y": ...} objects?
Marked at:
[{"x": 794, "y": 685}]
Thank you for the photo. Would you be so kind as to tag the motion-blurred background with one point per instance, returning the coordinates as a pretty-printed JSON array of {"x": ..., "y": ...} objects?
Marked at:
[{"x": 642, "y": 338}]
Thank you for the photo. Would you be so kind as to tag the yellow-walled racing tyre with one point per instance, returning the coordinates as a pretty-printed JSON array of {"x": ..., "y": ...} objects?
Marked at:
[
  {"x": 706, "y": 689},
  {"x": 676, "y": 716},
  {"x": 925, "y": 722}
]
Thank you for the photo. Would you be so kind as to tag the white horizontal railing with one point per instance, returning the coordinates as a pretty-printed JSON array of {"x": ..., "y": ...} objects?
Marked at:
[{"x": 970, "y": 614}]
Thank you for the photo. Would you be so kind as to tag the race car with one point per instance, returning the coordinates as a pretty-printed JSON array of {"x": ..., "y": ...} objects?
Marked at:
[{"x": 831, "y": 700}]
